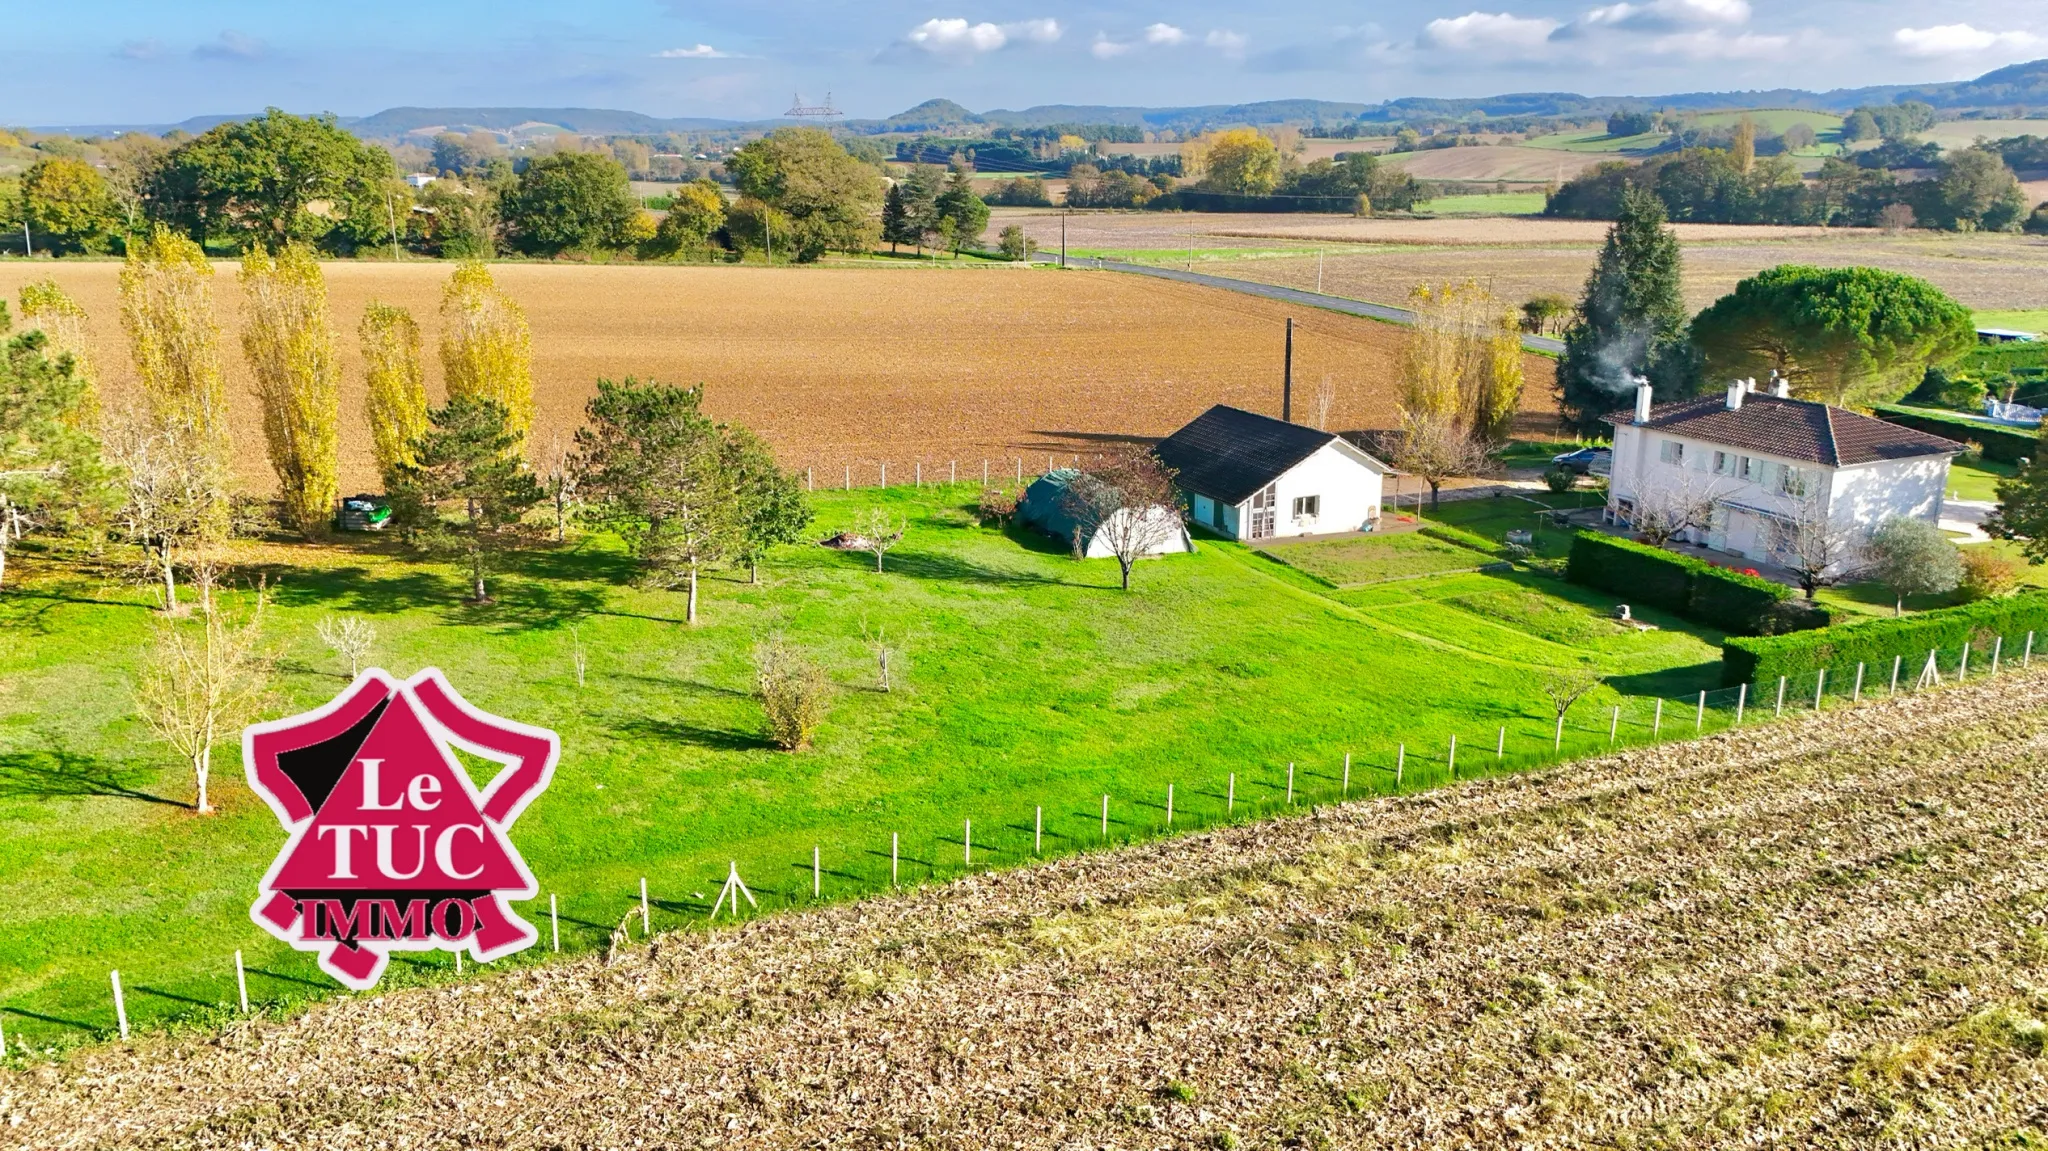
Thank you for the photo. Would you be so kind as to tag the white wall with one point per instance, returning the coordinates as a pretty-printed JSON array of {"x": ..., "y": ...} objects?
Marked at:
[
  {"x": 1858, "y": 496},
  {"x": 1173, "y": 536},
  {"x": 1350, "y": 494}
]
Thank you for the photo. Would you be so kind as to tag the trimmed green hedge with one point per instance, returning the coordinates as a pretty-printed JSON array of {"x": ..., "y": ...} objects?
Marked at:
[
  {"x": 2006, "y": 445},
  {"x": 1762, "y": 659},
  {"x": 1684, "y": 586}
]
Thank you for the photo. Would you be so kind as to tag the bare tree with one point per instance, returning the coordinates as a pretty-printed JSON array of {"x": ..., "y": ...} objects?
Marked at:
[
  {"x": 1434, "y": 448},
  {"x": 1820, "y": 551},
  {"x": 879, "y": 531},
  {"x": 1326, "y": 402},
  {"x": 176, "y": 502},
  {"x": 878, "y": 642},
  {"x": 351, "y": 637},
  {"x": 1564, "y": 688},
  {"x": 1666, "y": 509},
  {"x": 201, "y": 683},
  {"x": 577, "y": 656},
  {"x": 794, "y": 692},
  {"x": 1128, "y": 504},
  {"x": 558, "y": 477}
]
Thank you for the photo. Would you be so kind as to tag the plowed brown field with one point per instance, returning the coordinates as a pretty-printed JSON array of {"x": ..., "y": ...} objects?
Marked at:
[{"x": 842, "y": 367}]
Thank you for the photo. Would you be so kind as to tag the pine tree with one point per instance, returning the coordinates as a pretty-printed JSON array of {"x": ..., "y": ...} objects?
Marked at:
[
  {"x": 289, "y": 341},
  {"x": 895, "y": 217},
  {"x": 486, "y": 349},
  {"x": 46, "y": 306},
  {"x": 395, "y": 403},
  {"x": 468, "y": 463},
  {"x": 1631, "y": 321}
]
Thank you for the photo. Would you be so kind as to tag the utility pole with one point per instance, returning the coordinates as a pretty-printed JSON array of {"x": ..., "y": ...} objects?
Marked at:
[{"x": 1287, "y": 378}]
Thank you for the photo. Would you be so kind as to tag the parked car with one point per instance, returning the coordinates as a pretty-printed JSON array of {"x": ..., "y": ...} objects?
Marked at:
[{"x": 1585, "y": 461}]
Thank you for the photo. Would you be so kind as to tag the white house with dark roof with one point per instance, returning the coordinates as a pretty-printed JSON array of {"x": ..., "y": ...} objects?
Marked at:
[
  {"x": 1252, "y": 477},
  {"x": 1764, "y": 459}
]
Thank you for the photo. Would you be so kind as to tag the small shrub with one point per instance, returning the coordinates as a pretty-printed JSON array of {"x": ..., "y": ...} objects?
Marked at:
[
  {"x": 794, "y": 692},
  {"x": 1972, "y": 453},
  {"x": 1560, "y": 480},
  {"x": 998, "y": 503},
  {"x": 1988, "y": 575},
  {"x": 1178, "y": 1090}
]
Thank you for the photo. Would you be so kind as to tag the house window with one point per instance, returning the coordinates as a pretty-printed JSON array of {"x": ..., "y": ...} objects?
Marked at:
[
  {"x": 1752, "y": 470},
  {"x": 1307, "y": 507},
  {"x": 1671, "y": 452},
  {"x": 1724, "y": 464},
  {"x": 1792, "y": 481}
]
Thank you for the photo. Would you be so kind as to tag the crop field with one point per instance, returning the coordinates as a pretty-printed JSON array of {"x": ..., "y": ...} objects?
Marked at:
[
  {"x": 1384, "y": 259},
  {"x": 1503, "y": 204},
  {"x": 1963, "y": 133},
  {"x": 1827, "y": 933},
  {"x": 1512, "y": 162},
  {"x": 1597, "y": 140},
  {"x": 855, "y": 366},
  {"x": 1022, "y": 679}
]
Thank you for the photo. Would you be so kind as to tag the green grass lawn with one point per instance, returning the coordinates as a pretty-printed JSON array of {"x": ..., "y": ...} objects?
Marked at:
[
  {"x": 1025, "y": 681},
  {"x": 2020, "y": 319},
  {"x": 1774, "y": 120},
  {"x": 1494, "y": 204},
  {"x": 1376, "y": 558},
  {"x": 1977, "y": 481},
  {"x": 1495, "y": 516}
]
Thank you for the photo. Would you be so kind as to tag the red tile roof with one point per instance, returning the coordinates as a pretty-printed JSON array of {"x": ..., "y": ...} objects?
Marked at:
[{"x": 1790, "y": 429}]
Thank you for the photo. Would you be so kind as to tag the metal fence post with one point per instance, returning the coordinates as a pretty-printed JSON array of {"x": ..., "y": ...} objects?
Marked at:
[
  {"x": 1290, "y": 783},
  {"x": 1897, "y": 660},
  {"x": 1963, "y": 669},
  {"x": 1500, "y": 745},
  {"x": 1820, "y": 683},
  {"x": 1400, "y": 762},
  {"x": 1997, "y": 646},
  {"x": 1105, "y": 818},
  {"x": 967, "y": 844},
  {"x": 2027, "y": 656},
  {"x": 1038, "y": 831},
  {"x": 1781, "y": 695},
  {"x": 1453, "y": 759},
  {"x": 1657, "y": 724},
  {"x": 1741, "y": 701},
  {"x": 1347, "y": 774},
  {"x": 1699, "y": 719},
  {"x": 241, "y": 985},
  {"x": 1856, "y": 696},
  {"x": 1230, "y": 796},
  {"x": 1169, "y": 805},
  {"x": 120, "y": 1004},
  {"x": 1614, "y": 723}
]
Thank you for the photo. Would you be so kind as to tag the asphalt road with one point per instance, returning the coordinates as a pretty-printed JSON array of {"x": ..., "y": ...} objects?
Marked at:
[{"x": 1343, "y": 304}]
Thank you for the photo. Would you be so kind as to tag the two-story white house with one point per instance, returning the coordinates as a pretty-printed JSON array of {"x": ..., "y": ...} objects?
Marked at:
[
  {"x": 1764, "y": 462},
  {"x": 1252, "y": 477}
]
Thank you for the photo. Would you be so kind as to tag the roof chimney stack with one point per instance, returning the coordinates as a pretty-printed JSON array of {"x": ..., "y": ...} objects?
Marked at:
[
  {"x": 1642, "y": 400},
  {"x": 1735, "y": 393},
  {"x": 1780, "y": 386}
]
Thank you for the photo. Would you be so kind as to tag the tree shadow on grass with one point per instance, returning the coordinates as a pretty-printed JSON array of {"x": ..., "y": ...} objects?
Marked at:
[
  {"x": 281, "y": 977},
  {"x": 173, "y": 996},
  {"x": 697, "y": 735},
  {"x": 59, "y": 774},
  {"x": 1670, "y": 682},
  {"x": 945, "y": 568},
  {"x": 59, "y": 1020},
  {"x": 354, "y": 589},
  {"x": 530, "y": 605}
]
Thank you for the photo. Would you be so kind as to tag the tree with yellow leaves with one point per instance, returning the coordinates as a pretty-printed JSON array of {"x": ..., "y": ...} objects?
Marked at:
[
  {"x": 167, "y": 309},
  {"x": 1463, "y": 364},
  {"x": 486, "y": 349},
  {"x": 396, "y": 404},
  {"x": 1240, "y": 161},
  {"x": 49, "y": 308},
  {"x": 289, "y": 341}
]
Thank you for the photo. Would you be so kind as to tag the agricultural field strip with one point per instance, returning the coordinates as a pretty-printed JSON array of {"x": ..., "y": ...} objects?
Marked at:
[{"x": 1661, "y": 941}]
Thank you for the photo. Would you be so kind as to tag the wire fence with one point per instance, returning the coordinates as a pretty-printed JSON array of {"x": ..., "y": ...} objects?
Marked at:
[
  {"x": 937, "y": 471},
  {"x": 1008, "y": 831}
]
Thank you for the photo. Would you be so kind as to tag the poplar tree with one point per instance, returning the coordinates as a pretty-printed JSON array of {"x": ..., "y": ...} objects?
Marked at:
[
  {"x": 395, "y": 404},
  {"x": 167, "y": 309},
  {"x": 289, "y": 341},
  {"x": 486, "y": 349}
]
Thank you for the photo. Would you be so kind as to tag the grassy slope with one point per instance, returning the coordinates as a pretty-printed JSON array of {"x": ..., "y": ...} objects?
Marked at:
[
  {"x": 1596, "y": 141},
  {"x": 1026, "y": 680},
  {"x": 1373, "y": 559},
  {"x": 2023, "y": 320},
  {"x": 1824, "y": 933},
  {"x": 1504, "y": 204}
]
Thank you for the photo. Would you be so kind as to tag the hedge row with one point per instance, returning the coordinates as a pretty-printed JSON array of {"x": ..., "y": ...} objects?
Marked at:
[
  {"x": 1684, "y": 586},
  {"x": 2006, "y": 445},
  {"x": 1762, "y": 659}
]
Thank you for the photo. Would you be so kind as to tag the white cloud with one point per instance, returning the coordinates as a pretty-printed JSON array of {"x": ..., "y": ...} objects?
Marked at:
[
  {"x": 1105, "y": 48},
  {"x": 232, "y": 45},
  {"x": 1959, "y": 40},
  {"x": 955, "y": 38},
  {"x": 1659, "y": 14},
  {"x": 1484, "y": 31},
  {"x": 1225, "y": 41},
  {"x": 1712, "y": 44},
  {"x": 148, "y": 49},
  {"x": 1165, "y": 35},
  {"x": 696, "y": 52}
]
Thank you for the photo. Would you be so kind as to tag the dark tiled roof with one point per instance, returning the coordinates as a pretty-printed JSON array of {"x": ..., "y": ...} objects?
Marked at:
[
  {"x": 1791, "y": 429},
  {"x": 1228, "y": 454}
]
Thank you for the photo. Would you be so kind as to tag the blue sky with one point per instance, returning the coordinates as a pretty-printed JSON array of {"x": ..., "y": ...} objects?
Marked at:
[{"x": 94, "y": 61}]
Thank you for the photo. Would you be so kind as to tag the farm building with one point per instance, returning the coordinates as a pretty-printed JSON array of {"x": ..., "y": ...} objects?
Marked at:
[
  {"x": 1044, "y": 507},
  {"x": 1763, "y": 463},
  {"x": 1253, "y": 477}
]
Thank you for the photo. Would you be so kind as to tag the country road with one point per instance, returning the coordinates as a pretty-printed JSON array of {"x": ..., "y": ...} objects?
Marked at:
[{"x": 1543, "y": 345}]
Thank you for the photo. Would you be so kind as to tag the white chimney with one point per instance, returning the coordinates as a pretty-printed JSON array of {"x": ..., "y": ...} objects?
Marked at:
[
  {"x": 1735, "y": 391},
  {"x": 1780, "y": 386},
  {"x": 1749, "y": 385},
  {"x": 1642, "y": 400}
]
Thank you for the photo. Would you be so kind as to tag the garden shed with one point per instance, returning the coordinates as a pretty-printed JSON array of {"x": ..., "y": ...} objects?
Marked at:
[{"x": 1044, "y": 507}]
